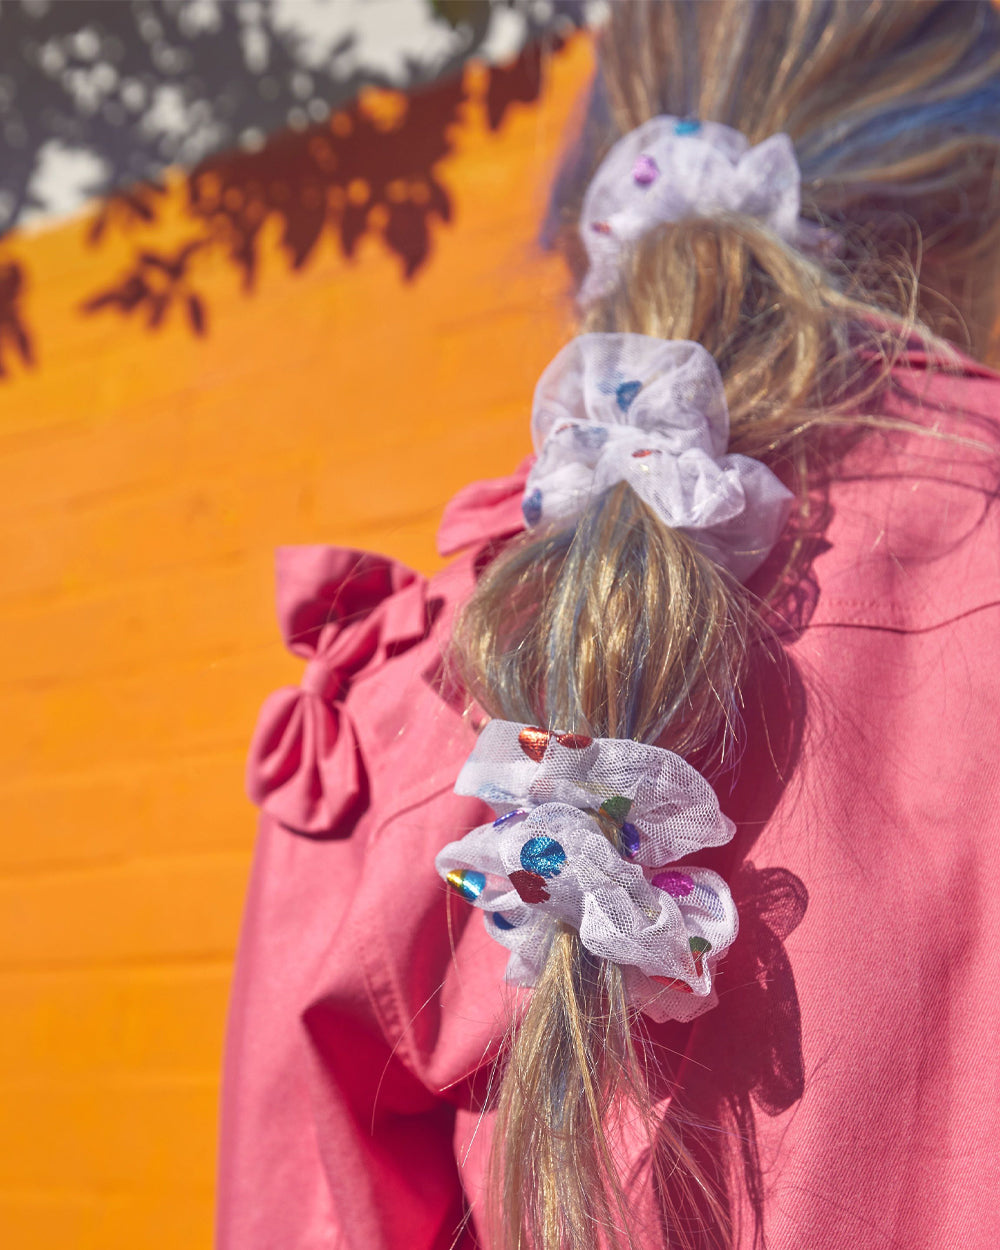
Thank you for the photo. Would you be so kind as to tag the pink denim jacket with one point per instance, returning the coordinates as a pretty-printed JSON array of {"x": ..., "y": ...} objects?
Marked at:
[{"x": 853, "y": 1054}]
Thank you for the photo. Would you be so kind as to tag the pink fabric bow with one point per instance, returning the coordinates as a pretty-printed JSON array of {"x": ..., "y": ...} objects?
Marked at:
[{"x": 341, "y": 610}]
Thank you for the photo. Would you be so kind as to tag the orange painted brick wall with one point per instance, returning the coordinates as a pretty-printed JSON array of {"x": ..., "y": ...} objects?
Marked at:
[{"x": 145, "y": 477}]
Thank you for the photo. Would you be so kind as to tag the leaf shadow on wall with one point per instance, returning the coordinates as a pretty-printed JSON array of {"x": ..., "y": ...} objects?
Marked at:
[
  {"x": 371, "y": 170},
  {"x": 14, "y": 337}
]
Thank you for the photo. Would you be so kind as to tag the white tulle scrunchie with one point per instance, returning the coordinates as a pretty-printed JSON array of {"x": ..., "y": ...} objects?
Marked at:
[
  {"x": 651, "y": 412},
  {"x": 585, "y": 833},
  {"x": 671, "y": 168}
]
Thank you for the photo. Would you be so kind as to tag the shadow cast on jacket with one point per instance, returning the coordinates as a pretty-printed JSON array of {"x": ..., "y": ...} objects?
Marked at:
[{"x": 743, "y": 1059}]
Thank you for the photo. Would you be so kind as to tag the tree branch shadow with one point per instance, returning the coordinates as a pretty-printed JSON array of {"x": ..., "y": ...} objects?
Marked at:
[
  {"x": 14, "y": 335},
  {"x": 372, "y": 170}
]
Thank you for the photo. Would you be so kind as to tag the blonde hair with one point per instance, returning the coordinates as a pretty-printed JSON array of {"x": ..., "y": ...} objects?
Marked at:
[{"x": 621, "y": 627}]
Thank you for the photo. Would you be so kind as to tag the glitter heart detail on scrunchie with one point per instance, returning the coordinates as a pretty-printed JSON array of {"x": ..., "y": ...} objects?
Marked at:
[{"x": 584, "y": 830}]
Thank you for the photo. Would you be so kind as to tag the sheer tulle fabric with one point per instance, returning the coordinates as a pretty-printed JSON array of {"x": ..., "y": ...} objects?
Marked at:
[
  {"x": 671, "y": 168},
  {"x": 650, "y": 412},
  {"x": 585, "y": 835}
]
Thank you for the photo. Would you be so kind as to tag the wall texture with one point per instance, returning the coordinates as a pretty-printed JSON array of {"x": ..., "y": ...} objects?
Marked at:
[{"x": 166, "y": 419}]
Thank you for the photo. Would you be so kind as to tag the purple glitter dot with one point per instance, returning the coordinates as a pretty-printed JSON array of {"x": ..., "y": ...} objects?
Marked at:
[
  {"x": 645, "y": 170},
  {"x": 507, "y": 816},
  {"x": 630, "y": 840},
  {"x": 676, "y": 884}
]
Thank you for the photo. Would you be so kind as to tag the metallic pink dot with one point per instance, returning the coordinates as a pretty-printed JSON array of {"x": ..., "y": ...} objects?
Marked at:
[
  {"x": 676, "y": 884},
  {"x": 600, "y": 227},
  {"x": 645, "y": 170}
]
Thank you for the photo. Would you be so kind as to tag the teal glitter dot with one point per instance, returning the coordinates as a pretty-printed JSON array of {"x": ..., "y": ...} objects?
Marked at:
[
  {"x": 625, "y": 393},
  {"x": 687, "y": 126},
  {"x": 544, "y": 856},
  {"x": 532, "y": 507}
]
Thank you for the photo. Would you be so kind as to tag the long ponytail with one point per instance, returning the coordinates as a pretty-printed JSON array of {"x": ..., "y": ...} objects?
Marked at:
[{"x": 620, "y": 626}]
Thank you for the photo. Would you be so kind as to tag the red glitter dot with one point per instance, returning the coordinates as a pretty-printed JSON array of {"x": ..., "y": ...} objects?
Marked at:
[
  {"x": 673, "y": 984},
  {"x": 530, "y": 886}
]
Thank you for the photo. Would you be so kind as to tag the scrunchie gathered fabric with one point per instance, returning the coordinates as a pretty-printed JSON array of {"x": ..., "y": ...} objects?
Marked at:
[
  {"x": 671, "y": 168},
  {"x": 586, "y": 832},
  {"x": 650, "y": 412}
]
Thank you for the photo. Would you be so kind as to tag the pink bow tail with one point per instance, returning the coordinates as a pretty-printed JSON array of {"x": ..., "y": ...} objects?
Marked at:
[{"x": 303, "y": 767}]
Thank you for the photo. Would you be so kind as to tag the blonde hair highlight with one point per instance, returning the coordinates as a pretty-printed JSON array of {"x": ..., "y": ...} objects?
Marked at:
[{"x": 621, "y": 627}]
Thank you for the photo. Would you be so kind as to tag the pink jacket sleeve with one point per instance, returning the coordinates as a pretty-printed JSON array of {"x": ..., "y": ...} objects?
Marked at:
[
  {"x": 339, "y": 1103},
  {"x": 329, "y": 1140}
]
